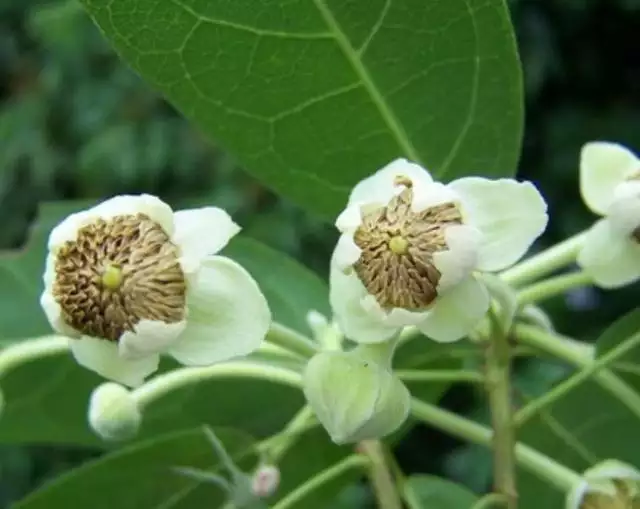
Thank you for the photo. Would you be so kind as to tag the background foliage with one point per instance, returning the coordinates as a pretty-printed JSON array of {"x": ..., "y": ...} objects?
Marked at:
[{"x": 76, "y": 124}]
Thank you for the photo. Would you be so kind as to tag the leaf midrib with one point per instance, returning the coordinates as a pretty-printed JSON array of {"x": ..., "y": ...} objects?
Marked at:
[{"x": 360, "y": 69}]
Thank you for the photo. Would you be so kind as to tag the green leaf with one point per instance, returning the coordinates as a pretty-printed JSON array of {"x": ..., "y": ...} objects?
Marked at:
[
  {"x": 140, "y": 476},
  {"x": 291, "y": 289},
  {"x": 314, "y": 95},
  {"x": 429, "y": 492}
]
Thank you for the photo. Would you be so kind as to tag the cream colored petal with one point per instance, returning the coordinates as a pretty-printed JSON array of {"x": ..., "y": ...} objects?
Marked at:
[
  {"x": 102, "y": 357},
  {"x": 510, "y": 215},
  {"x": 624, "y": 211},
  {"x": 228, "y": 315},
  {"x": 67, "y": 230},
  {"x": 431, "y": 195},
  {"x": 202, "y": 232},
  {"x": 456, "y": 313},
  {"x": 346, "y": 252},
  {"x": 461, "y": 258},
  {"x": 575, "y": 495},
  {"x": 612, "y": 469},
  {"x": 350, "y": 218},
  {"x": 151, "y": 206},
  {"x": 396, "y": 317},
  {"x": 380, "y": 187},
  {"x": 612, "y": 260},
  {"x": 54, "y": 315},
  {"x": 346, "y": 294},
  {"x": 604, "y": 165},
  {"x": 149, "y": 337}
]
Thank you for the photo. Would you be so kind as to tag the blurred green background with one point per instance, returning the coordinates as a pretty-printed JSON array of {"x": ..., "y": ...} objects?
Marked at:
[{"x": 77, "y": 124}]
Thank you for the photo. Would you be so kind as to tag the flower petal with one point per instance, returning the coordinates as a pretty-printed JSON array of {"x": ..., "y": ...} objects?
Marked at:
[
  {"x": 149, "y": 337},
  {"x": 346, "y": 252},
  {"x": 67, "y": 230},
  {"x": 151, "y": 206},
  {"x": 346, "y": 295},
  {"x": 461, "y": 258},
  {"x": 380, "y": 187},
  {"x": 624, "y": 211},
  {"x": 575, "y": 496},
  {"x": 455, "y": 313},
  {"x": 202, "y": 232},
  {"x": 611, "y": 259},
  {"x": 228, "y": 315},
  {"x": 510, "y": 215},
  {"x": 54, "y": 314},
  {"x": 604, "y": 165},
  {"x": 102, "y": 357}
]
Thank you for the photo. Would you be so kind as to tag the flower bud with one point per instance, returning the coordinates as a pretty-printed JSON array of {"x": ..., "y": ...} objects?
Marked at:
[
  {"x": 610, "y": 485},
  {"x": 113, "y": 412},
  {"x": 354, "y": 397},
  {"x": 265, "y": 481}
]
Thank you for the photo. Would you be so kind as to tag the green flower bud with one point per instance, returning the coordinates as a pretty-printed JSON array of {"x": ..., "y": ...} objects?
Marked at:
[
  {"x": 113, "y": 412},
  {"x": 354, "y": 397},
  {"x": 611, "y": 484}
]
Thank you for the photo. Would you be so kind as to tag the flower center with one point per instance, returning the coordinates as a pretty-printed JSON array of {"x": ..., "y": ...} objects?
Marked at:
[
  {"x": 396, "y": 265},
  {"x": 624, "y": 499},
  {"x": 116, "y": 273}
]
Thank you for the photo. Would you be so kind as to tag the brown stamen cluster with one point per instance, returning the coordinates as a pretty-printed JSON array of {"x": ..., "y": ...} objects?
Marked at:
[
  {"x": 625, "y": 498},
  {"x": 396, "y": 265},
  {"x": 116, "y": 273}
]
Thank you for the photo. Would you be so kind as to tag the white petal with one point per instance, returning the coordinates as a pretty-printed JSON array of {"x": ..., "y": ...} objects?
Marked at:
[
  {"x": 455, "y": 313},
  {"x": 510, "y": 215},
  {"x": 427, "y": 196},
  {"x": 149, "y": 337},
  {"x": 202, "y": 232},
  {"x": 380, "y": 187},
  {"x": 346, "y": 252},
  {"x": 67, "y": 230},
  {"x": 54, "y": 314},
  {"x": 151, "y": 206},
  {"x": 612, "y": 470},
  {"x": 102, "y": 357},
  {"x": 575, "y": 496},
  {"x": 611, "y": 259},
  {"x": 347, "y": 294},
  {"x": 461, "y": 258},
  {"x": 397, "y": 317},
  {"x": 624, "y": 211},
  {"x": 228, "y": 315},
  {"x": 350, "y": 218},
  {"x": 603, "y": 166}
]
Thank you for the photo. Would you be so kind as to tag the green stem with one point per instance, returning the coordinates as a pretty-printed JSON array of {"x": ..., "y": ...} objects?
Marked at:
[
  {"x": 545, "y": 262},
  {"x": 178, "y": 378},
  {"x": 276, "y": 447},
  {"x": 498, "y": 383},
  {"x": 583, "y": 357},
  {"x": 382, "y": 480},
  {"x": 552, "y": 287},
  {"x": 354, "y": 462},
  {"x": 411, "y": 375},
  {"x": 534, "y": 461},
  {"x": 491, "y": 500},
  {"x": 291, "y": 340}
]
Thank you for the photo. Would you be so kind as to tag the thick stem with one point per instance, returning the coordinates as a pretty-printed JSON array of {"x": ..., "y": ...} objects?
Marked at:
[
  {"x": 545, "y": 262},
  {"x": 552, "y": 287},
  {"x": 382, "y": 480},
  {"x": 498, "y": 381},
  {"x": 534, "y": 461}
]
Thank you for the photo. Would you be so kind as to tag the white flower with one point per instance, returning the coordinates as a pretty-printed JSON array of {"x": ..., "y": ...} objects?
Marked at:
[
  {"x": 611, "y": 484},
  {"x": 129, "y": 279},
  {"x": 410, "y": 246},
  {"x": 610, "y": 186}
]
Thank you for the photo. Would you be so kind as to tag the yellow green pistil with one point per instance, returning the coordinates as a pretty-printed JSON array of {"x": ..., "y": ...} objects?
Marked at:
[
  {"x": 626, "y": 497},
  {"x": 116, "y": 273},
  {"x": 396, "y": 264},
  {"x": 399, "y": 245},
  {"x": 112, "y": 277}
]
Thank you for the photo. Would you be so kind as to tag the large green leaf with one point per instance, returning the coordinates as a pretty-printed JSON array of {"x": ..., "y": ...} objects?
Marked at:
[
  {"x": 313, "y": 95},
  {"x": 429, "y": 492},
  {"x": 140, "y": 476}
]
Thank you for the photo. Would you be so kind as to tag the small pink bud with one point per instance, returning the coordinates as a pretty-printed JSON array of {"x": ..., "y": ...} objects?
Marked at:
[{"x": 265, "y": 481}]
